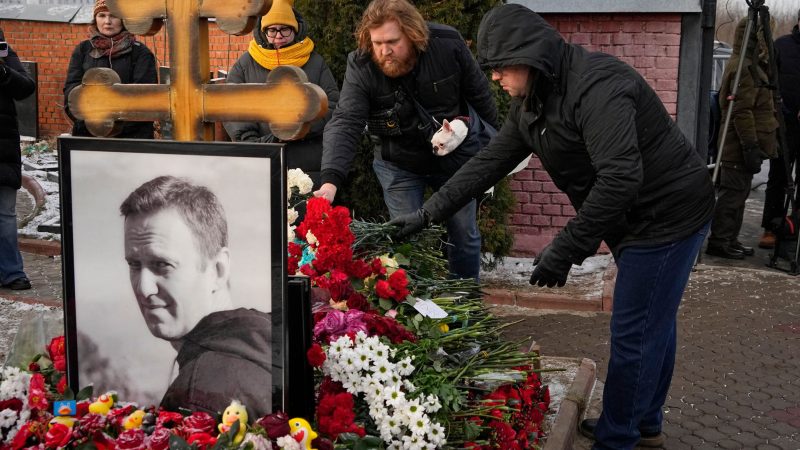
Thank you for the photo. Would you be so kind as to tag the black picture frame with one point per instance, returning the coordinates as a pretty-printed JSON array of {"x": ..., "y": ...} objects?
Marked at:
[{"x": 102, "y": 333}]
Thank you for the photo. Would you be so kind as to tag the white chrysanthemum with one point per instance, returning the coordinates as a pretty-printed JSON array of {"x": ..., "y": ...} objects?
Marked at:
[
  {"x": 413, "y": 442},
  {"x": 432, "y": 404},
  {"x": 290, "y": 233},
  {"x": 413, "y": 411},
  {"x": 8, "y": 418},
  {"x": 394, "y": 396},
  {"x": 382, "y": 369},
  {"x": 291, "y": 215},
  {"x": 419, "y": 425},
  {"x": 404, "y": 367},
  {"x": 436, "y": 434},
  {"x": 409, "y": 386}
]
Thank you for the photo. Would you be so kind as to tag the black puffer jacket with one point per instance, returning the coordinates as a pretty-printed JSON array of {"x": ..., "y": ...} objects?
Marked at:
[
  {"x": 602, "y": 134},
  {"x": 788, "y": 48},
  {"x": 305, "y": 154},
  {"x": 15, "y": 84},
  {"x": 135, "y": 67},
  {"x": 445, "y": 76}
]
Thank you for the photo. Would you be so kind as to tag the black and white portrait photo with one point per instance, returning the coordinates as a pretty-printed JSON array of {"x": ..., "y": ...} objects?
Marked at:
[{"x": 173, "y": 267}]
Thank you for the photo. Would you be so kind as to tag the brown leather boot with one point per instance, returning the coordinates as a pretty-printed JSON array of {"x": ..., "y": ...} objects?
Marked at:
[{"x": 767, "y": 240}]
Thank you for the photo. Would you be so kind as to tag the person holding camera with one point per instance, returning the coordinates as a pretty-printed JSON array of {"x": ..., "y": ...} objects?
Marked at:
[
  {"x": 110, "y": 45},
  {"x": 404, "y": 65},
  {"x": 751, "y": 139},
  {"x": 15, "y": 84}
]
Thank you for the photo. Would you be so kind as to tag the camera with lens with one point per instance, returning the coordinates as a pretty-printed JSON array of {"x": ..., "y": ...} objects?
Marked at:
[{"x": 3, "y": 49}]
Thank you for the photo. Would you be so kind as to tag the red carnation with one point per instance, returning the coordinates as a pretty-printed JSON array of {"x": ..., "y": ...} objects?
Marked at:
[
  {"x": 316, "y": 355},
  {"x": 58, "y": 435},
  {"x": 14, "y": 404},
  {"x": 131, "y": 440}
]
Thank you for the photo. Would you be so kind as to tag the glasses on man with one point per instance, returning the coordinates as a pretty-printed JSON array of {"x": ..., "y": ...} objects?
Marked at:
[{"x": 284, "y": 31}]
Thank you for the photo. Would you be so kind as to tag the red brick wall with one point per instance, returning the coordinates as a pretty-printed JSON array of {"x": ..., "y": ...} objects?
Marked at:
[
  {"x": 51, "y": 44},
  {"x": 648, "y": 42}
]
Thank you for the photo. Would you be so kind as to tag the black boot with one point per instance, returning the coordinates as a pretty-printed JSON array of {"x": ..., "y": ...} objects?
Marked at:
[
  {"x": 724, "y": 251},
  {"x": 747, "y": 251},
  {"x": 654, "y": 440}
]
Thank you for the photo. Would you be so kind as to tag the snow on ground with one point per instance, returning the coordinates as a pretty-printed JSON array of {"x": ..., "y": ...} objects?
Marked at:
[
  {"x": 51, "y": 207},
  {"x": 13, "y": 313}
]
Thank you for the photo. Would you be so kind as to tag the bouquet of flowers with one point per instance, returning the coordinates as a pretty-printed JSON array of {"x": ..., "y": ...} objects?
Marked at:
[{"x": 408, "y": 358}]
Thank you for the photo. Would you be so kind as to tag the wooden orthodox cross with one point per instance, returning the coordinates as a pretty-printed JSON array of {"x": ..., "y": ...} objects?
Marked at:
[{"x": 189, "y": 101}]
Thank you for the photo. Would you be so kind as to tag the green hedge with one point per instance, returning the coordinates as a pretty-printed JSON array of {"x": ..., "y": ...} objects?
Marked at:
[{"x": 331, "y": 25}]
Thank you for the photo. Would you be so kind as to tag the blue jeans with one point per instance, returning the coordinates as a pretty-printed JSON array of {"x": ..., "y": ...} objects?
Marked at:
[
  {"x": 404, "y": 192},
  {"x": 650, "y": 284},
  {"x": 10, "y": 258}
]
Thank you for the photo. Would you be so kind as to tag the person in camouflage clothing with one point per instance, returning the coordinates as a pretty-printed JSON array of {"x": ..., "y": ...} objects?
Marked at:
[{"x": 751, "y": 138}]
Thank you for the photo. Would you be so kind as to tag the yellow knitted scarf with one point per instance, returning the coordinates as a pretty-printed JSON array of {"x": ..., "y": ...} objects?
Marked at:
[{"x": 293, "y": 55}]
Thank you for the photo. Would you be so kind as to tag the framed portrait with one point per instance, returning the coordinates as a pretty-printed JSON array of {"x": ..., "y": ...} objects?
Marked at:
[{"x": 175, "y": 271}]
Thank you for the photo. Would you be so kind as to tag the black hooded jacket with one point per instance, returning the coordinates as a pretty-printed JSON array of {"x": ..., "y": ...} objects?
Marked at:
[
  {"x": 228, "y": 355},
  {"x": 15, "y": 84},
  {"x": 601, "y": 133},
  {"x": 443, "y": 79}
]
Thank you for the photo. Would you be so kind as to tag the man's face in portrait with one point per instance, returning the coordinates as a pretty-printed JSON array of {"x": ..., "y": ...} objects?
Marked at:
[
  {"x": 172, "y": 280},
  {"x": 392, "y": 50}
]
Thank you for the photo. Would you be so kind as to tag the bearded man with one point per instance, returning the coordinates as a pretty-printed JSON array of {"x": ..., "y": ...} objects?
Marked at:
[{"x": 404, "y": 68}]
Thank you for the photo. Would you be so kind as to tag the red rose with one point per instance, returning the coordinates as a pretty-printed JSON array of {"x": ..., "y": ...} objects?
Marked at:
[
  {"x": 56, "y": 348},
  {"x": 199, "y": 422},
  {"x": 33, "y": 367},
  {"x": 131, "y": 440},
  {"x": 61, "y": 386},
  {"x": 316, "y": 356},
  {"x": 202, "y": 440},
  {"x": 169, "y": 419},
  {"x": 159, "y": 440},
  {"x": 276, "y": 425},
  {"x": 357, "y": 301},
  {"x": 58, "y": 435}
]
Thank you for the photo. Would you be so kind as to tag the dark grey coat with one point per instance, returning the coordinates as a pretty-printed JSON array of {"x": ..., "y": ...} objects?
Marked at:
[
  {"x": 15, "y": 84},
  {"x": 135, "y": 67},
  {"x": 601, "y": 133}
]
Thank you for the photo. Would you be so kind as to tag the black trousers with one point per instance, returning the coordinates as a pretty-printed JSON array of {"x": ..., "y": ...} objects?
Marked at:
[
  {"x": 732, "y": 192},
  {"x": 775, "y": 195}
]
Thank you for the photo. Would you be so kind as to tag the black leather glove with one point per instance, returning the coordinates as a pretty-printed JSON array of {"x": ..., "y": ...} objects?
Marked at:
[
  {"x": 410, "y": 223},
  {"x": 550, "y": 269},
  {"x": 753, "y": 157}
]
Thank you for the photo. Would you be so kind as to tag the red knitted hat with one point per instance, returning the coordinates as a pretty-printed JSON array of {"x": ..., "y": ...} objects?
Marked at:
[{"x": 99, "y": 6}]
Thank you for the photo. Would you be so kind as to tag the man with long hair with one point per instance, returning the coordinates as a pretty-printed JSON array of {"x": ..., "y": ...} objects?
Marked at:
[{"x": 404, "y": 69}]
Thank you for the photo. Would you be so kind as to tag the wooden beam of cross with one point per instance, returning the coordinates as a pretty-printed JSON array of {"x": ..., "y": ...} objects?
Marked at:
[{"x": 189, "y": 101}]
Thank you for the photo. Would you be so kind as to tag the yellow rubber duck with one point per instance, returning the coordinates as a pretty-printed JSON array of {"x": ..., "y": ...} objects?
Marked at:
[
  {"x": 103, "y": 404},
  {"x": 63, "y": 420},
  {"x": 301, "y": 431},
  {"x": 235, "y": 411},
  {"x": 134, "y": 420}
]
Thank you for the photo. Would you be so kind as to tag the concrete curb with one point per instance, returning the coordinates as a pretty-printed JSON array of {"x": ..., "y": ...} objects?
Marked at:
[{"x": 562, "y": 433}]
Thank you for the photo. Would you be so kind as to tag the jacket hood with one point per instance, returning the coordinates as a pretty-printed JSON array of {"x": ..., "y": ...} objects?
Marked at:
[
  {"x": 512, "y": 34},
  {"x": 245, "y": 333},
  {"x": 261, "y": 38}
]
